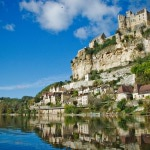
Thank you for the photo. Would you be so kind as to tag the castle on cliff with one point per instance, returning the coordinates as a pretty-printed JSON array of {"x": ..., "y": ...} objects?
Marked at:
[
  {"x": 133, "y": 21},
  {"x": 128, "y": 43}
]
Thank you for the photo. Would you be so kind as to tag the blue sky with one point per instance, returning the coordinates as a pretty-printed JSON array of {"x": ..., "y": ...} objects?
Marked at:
[{"x": 39, "y": 38}]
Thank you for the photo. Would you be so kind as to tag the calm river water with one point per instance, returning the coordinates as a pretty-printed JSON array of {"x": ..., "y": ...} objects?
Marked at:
[{"x": 52, "y": 133}]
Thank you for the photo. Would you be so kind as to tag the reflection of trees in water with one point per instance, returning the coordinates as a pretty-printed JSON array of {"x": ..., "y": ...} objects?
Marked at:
[
  {"x": 58, "y": 130},
  {"x": 73, "y": 120},
  {"x": 124, "y": 122},
  {"x": 101, "y": 124},
  {"x": 101, "y": 132},
  {"x": 21, "y": 122}
]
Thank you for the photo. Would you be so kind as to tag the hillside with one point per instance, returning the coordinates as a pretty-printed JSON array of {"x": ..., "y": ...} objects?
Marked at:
[{"x": 117, "y": 52}]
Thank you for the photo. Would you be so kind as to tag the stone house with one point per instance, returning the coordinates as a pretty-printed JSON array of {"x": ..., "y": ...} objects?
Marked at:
[
  {"x": 55, "y": 95},
  {"x": 124, "y": 92},
  {"x": 82, "y": 100},
  {"x": 141, "y": 91},
  {"x": 46, "y": 98}
]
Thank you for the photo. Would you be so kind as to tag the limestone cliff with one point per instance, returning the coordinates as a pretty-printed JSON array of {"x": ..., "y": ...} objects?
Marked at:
[{"x": 120, "y": 54}]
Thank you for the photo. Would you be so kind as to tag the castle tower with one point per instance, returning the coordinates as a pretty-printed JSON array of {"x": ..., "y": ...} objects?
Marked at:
[
  {"x": 134, "y": 21},
  {"x": 121, "y": 21}
]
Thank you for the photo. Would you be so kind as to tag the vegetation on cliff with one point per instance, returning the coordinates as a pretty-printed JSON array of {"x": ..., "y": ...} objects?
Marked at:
[
  {"x": 98, "y": 47},
  {"x": 142, "y": 70}
]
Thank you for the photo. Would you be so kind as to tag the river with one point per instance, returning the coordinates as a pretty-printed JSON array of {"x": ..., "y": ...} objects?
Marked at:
[{"x": 55, "y": 132}]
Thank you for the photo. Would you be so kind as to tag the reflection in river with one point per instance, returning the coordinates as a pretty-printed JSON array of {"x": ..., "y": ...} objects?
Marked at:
[{"x": 131, "y": 133}]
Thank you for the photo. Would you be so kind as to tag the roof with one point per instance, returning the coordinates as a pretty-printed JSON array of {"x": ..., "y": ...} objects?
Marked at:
[
  {"x": 125, "y": 89},
  {"x": 146, "y": 138},
  {"x": 144, "y": 89},
  {"x": 102, "y": 36}
]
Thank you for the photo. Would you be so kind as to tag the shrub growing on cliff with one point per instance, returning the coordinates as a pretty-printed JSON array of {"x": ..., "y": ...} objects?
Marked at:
[
  {"x": 146, "y": 34},
  {"x": 98, "y": 47},
  {"x": 140, "y": 47},
  {"x": 94, "y": 75},
  {"x": 142, "y": 72}
]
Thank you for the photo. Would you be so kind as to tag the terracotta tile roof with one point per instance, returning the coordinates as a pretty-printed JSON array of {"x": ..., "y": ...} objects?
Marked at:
[
  {"x": 136, "y": 88},
  {"x": 146, "y": 138},
  {"x": 125, "y": 89},
  {"x": 144, "y": 89}
]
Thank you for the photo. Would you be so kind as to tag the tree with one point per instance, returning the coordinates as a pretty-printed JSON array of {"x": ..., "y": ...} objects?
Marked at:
[
  {"x": 122, "y": 104},
  {"x": 142, "y": 72},
  {"x": 97, "y": 82}
]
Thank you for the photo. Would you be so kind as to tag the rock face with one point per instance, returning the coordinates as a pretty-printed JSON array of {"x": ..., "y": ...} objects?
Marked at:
[{"x": 117, "y": 55}]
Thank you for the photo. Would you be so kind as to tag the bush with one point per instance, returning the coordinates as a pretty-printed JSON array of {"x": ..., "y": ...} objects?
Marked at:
[
  {"x": 140, "y": 47},
  {"x": 129, "y": 109},
  {"x": 140, "y": 102},
  {"x": 99, "y": 47},
  {"x": 69, "y": 109},
  {"x": 146, "y": 33},
  {"x": 122, "y": 104},
  {"x": 142, "y": 72},
  {"x": 94, "y": 75}
]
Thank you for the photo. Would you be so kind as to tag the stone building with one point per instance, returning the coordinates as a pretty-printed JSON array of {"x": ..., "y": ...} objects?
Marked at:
[
  {"x": 133, "y": 21},
  {"x": 99, "y": 39}
]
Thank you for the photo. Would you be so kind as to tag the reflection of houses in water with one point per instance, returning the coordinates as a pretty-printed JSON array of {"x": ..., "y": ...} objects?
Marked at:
[
  {"x": 94, "y": 136},
  {"x": 136, "y": 137},
  {"x": 83, "y": 130},
  {"x": 52, "y": 133},
  {"x": 132, "y": 142}
]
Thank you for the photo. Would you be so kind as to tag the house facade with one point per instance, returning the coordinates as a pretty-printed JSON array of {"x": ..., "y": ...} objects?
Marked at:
[
  {"x": 138, "y": 92},
  {"x": 124, "y": 92},
  {"x": 141, "y": 91}
]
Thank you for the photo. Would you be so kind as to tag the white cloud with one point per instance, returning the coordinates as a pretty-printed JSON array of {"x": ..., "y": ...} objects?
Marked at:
[
  {"x": 81, "y": 33},
  {"x": 58, "y": 15},
  {"x": 9, "y": 27},
  {"x": 40, "y": 83}
]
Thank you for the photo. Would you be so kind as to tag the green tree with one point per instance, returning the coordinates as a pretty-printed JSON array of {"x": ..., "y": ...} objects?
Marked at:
[
  {"x": 142, "y": 72},
  {"x": 122, "y": 104}
]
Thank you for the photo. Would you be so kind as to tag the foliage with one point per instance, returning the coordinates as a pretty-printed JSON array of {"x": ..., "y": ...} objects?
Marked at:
[
  {"x": 14, "y": 105},
  {"x": 122, "y": 123},
  {"x": 96, "y": 104},
  {"x": 128, "y": 38},
  {"x": 140, "y": 102},
  {"x": 69, "y": 109},
  {"x": 142, "y": 72},
  {"x": 140, "y": 60},
  {"x": 140, "y": 47},
  {"x": 72, "y": 120},
  {"x": 75, "y": 93},
  {"x": 94, "y": 75},
  {"x": 130, "y": 109},
  {"x": 99, "y": 47},
  {"x": 97, "y": 82},
  {"x": 147, "y": 107},
  {"x": 146, "y": 33},
  {"x": 122, "y": 104}
]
